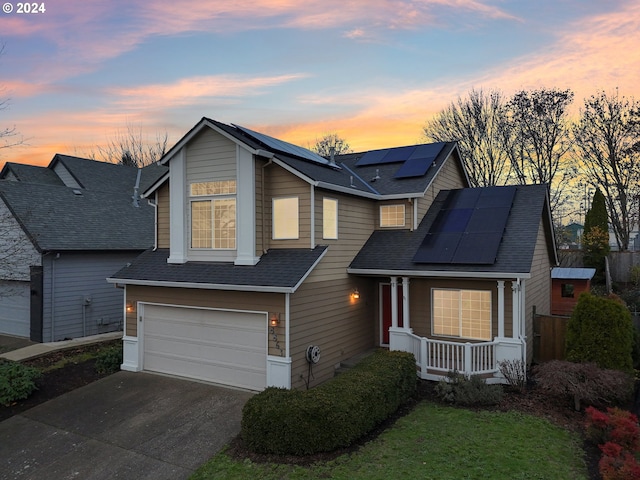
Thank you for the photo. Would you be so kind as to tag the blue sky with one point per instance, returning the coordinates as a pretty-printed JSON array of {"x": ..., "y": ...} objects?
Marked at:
[{"x": 372, "y": 71}]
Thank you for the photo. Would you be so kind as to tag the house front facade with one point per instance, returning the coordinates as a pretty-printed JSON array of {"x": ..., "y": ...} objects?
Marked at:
[{"x": 272, "y": 265}]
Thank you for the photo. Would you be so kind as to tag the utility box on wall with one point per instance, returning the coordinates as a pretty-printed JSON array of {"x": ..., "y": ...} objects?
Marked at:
[{"x": 566, "y": 286}]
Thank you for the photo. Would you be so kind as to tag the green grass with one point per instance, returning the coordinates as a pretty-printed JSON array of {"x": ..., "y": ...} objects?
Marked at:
[{"x": 437, "y": 442}]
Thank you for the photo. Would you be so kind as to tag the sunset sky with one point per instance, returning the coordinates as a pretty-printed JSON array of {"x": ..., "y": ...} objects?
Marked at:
[{"x": 372, "y": 71}]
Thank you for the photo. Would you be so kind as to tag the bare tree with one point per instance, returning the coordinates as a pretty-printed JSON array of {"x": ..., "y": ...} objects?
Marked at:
[
  {"x": 9, "y": 137},
  {"x": 607, "y": 139},
  {"x": 536, "y": 136},
  {"x": 132, "y": 147},
  {"x": 329, "y": 141},
  {"x": 475, "y": 122}
]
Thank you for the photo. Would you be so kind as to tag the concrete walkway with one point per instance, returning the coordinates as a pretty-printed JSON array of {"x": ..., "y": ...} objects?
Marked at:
[
  {"x": 127, "y": 425},
  {"x": 33, "y": 350}
]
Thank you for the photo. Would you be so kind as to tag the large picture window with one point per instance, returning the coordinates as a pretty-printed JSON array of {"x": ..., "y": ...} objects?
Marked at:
[
  {"x": 285, "y": 218},
  {"x": 461, "y": 313},
  {"x": 392, "y": 215},
  {"x": 213, "y": 220}
]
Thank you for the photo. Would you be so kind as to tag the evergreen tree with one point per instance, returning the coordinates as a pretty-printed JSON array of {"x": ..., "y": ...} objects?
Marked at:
[{"x": 595, "y": 243}]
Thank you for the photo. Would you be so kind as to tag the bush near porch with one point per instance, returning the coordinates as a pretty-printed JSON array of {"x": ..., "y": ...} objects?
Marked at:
[{"x": 332, "y": 415}]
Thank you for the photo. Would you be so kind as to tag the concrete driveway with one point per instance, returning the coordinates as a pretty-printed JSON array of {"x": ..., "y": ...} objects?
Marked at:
[{"x": 127, "y": 425}]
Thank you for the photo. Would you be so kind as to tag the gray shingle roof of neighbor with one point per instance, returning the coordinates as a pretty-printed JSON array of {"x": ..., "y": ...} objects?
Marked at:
[
  {"x": 98, "y": 216},
  {"x": 277, "y": 269},
  {"x": 394, "y": 250},
  {"x": 31, "y": 174}
]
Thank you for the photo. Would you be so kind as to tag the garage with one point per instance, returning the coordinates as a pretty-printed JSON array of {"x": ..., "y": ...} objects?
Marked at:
[
  {"x": 14, "y": 308},
  {"x": 220, "y": 346}
]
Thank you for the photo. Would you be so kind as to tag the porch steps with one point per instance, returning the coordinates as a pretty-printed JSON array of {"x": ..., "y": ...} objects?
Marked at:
[{"x": 353, "y": 361}]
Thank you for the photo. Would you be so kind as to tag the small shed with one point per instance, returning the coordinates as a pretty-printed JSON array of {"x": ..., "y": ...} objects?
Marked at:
[{"x": 566, "y": 286}]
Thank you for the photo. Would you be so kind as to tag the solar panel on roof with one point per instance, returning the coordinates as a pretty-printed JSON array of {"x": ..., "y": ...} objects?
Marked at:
[
  {"x": 284, "y": 147},
  {"x": 415, "y": 167},
  {"x": 399, "y": 154},
  {"x": 478, "y": 217},
  {"x": 372, "y": 158},
  {"x": 427, "y": 150}
]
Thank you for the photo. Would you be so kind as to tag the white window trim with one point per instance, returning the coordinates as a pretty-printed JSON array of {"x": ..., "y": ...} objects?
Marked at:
[
  {"x": 325, "y": 237},
  {"x": 273, "y": 218},
  {"x": 404, "y": 213},
  {"x": 460, "y": 318}
]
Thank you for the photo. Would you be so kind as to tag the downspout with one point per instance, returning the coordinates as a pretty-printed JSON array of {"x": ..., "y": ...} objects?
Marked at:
[
  {"x": 313, "y": 217},
  {"x": 264, "y": 216},
  {"x": 53, "y": 303}
]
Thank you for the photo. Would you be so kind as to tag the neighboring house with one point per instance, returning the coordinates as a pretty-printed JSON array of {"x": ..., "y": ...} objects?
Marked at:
[
  {"x": 66, "y": 228},
  {"x": 272, "y": 265}
]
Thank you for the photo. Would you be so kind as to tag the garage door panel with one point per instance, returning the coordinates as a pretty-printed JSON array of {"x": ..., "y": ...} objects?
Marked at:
[
  {"x": 15, "y": 308},
  {"x": 227, "y": 347}
]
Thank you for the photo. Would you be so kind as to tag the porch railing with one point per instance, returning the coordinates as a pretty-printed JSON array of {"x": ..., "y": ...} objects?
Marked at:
[{"x": 435, "y": 358}]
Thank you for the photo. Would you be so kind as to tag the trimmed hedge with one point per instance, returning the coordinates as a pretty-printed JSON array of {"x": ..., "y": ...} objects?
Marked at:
[
  {"x": 17, "y": 381},
  {"x": 332, "y": 415},
  {"x": 601, "y": 331}
]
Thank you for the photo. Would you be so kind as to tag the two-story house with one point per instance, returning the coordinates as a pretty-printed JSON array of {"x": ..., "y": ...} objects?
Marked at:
[{"x": 272, "y": 264}]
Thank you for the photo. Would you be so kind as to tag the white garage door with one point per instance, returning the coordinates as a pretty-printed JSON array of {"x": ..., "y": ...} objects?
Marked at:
[
  {"x": 14, "y": 308},
  {"x": 225, "y": 347}
]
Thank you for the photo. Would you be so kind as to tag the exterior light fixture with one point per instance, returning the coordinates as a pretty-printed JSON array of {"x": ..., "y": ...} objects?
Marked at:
[
  {"x": 130, "y": 307},
  {"x": 356, "y": 294},
  {"x": 274, "y": 319}
]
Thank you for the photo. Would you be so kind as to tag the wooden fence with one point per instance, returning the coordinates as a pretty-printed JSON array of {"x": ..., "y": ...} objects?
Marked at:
[{"x": 549, "y": 334}]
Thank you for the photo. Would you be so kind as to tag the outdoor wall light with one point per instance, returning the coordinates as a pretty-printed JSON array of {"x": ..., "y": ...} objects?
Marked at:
[
  {"x": 356, "y": 294},
  {"x": 274, "y": 319},
  {"x": 130, "y": 307}
]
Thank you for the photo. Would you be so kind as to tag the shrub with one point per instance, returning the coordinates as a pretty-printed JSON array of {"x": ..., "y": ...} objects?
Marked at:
[
  {"x": 515, "y": 372},
  {"x": 17, "y": 381},
  {"x": 617, "y": 463},
  {"x": 600, "y": 331},
  {"x": 584, "y": 383},
  {"x": 109, "y": 360},
  {"x": 332, "y": 415},
  {"x": 462, "y": 390}
]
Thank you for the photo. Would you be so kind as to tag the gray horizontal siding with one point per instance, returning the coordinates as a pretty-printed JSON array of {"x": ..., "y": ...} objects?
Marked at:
[{"x": 80, "y": 275}]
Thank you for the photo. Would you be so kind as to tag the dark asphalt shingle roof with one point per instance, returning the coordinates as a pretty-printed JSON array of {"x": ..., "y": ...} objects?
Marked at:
[
  {"x": 98, "y": 216},
  {"x": 31, "y": 174},
  {"x": 393, "y": 250},
  {"x": 278, "y": 269}
]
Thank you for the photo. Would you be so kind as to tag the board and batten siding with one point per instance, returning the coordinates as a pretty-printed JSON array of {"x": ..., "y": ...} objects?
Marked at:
[
  {"x": 280, "y": 184},
  {"x": 325, "y": 314},
  {"x": 420, "y": 303},
  {"x": 162, "y": 216},
  {"x": 538, "y": 287},
  {"x": 68, "y": 280}
]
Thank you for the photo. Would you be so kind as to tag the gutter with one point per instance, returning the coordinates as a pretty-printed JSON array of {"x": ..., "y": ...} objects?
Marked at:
[{"x": 437, "y": 273}]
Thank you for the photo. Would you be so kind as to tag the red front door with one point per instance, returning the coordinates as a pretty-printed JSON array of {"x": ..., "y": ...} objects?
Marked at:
[{"x": 385, "y": 310}]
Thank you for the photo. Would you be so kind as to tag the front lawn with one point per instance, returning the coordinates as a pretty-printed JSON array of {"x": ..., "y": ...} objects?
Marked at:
[{"x": 437, "y": 442}]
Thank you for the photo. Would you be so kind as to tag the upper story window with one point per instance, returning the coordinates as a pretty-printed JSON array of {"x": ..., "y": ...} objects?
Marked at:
[
  {"x": 285, "y": 218},
  {"x": 392, "y": 215},
  {"x": 213, "y": 219},
  {"x": 329, "y": 218},
  {"x": 461, "y": 313}
]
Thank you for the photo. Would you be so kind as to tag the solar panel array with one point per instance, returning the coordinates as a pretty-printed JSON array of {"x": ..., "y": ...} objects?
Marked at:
[
  {"x": 284, "y": 147},
  {"x": 469, "y": 227},
  {"x": 415, "y": 159}
]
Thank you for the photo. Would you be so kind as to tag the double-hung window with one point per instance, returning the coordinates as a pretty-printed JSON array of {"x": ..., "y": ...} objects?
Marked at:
[
  {"x": 461, "y": 313},
  {"x": 213, "y": 215}
]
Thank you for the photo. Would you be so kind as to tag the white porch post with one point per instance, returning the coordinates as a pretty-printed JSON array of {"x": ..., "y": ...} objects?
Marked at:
[
  {"x": 405, "y": 303},
  {"x": 394, "y": 302},
  {"x": 515, "y": 287},
  {"x": 500, "y": 308}
]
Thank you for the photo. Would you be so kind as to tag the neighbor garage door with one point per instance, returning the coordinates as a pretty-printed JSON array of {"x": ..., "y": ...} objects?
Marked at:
[
  {"x": 226, "y": 347},
  {"x": 14, "y": 308}
]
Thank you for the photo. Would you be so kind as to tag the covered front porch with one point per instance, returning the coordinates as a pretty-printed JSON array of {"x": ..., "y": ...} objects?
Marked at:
[{"x": 470, "y": 356}]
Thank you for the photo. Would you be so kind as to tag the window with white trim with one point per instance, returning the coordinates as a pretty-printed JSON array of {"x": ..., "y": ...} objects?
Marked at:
[
  {"x": 213, "y": 215},
  {"x": 329, "y": 218},
  {"x": 392, "y": 215},
  {"x": 285, "y": 218},
  {"x": 461, "y": 313}
]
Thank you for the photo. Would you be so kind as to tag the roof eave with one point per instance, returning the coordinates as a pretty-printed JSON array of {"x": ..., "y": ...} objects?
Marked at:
[
  {"x": 438, "y": 273},
  {"x": 203, "y": 286}
]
